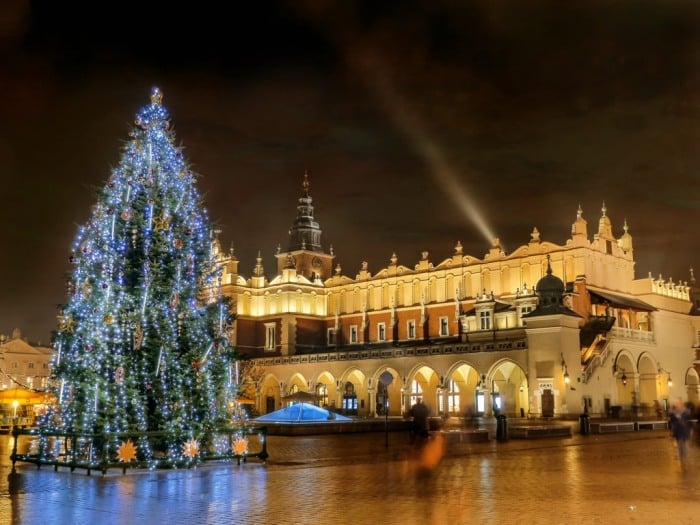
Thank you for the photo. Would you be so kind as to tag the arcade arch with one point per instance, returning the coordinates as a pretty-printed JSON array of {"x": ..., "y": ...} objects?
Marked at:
[{"x": 509, "y": 389}]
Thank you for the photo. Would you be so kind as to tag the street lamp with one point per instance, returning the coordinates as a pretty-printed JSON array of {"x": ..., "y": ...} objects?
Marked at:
[
  {"x": 386, "y": 379},
  {"x": 669, "y": 381}
]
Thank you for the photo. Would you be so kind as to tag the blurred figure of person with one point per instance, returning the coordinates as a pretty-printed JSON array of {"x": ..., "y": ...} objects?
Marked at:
[
  {"x": 431, "y": 453},
  {"x": 419, "y": 427},
  {"x": 681, "y": 425}
]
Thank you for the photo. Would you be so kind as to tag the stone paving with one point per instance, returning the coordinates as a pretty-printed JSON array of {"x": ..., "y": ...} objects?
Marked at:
[{"x": 627, "y": 477}]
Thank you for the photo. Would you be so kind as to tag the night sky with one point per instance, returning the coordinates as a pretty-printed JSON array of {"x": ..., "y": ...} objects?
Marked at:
[{"x": 420, "y": 123}]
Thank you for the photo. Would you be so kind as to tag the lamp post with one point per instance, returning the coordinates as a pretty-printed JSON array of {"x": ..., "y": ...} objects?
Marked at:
[
  {"x": 565, "y": 370},
  {"x": 669, "y": 381},
  {"x": 386, "y": 378}
]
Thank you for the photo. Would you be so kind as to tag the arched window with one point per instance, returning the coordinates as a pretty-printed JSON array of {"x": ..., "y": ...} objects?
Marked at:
[
  {"x": 416, "y": 391},
  {"x": 322, "y": 394},
  {"x": 349, "y": 399},
  {"x": 453, "y": 406},
  {"x": 382, "y": 398}
]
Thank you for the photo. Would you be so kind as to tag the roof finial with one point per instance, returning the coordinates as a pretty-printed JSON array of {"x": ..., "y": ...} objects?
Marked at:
[
  {"x": 579, "y": 212},
  {"x": 306, "y": 183},
  {"x": 549, "y": 266},
  {"x": 604, "y": 209}
]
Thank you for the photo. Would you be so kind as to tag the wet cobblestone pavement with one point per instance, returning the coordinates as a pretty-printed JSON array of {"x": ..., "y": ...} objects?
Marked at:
[{"x": 628, "y": 477}]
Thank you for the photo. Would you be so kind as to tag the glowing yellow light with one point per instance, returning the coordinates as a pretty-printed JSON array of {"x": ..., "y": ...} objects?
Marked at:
[{"x": 126, "y": 451}]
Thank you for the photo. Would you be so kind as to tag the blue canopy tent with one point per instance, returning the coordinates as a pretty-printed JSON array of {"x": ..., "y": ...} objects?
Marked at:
[{"x": 301, "y": 413}]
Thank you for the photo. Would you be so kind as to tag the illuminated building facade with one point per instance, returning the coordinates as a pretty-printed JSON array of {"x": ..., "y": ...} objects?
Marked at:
[
  {"x": 547, "y": 330},
  {"x": 23, "y": 364},
  {"x": 24, "y": 370}
]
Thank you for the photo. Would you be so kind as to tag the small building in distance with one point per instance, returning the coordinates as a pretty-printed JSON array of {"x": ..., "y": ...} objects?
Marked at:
[{"x": 24, "y": 375}]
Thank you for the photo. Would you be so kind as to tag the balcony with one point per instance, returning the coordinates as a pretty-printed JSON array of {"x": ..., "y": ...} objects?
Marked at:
[{"x": 629, "y": 334}]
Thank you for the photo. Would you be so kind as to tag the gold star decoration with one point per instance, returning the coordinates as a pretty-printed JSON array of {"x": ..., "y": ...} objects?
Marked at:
[
  {"x": 162, "y": 222},
  {"x": 240, "y": 446},
  {"x": 127, "y": 451},
  {"x": 191, "y": 448},
  {"x": 86, "y": 287},
  {"x": 65, "y": 324}
]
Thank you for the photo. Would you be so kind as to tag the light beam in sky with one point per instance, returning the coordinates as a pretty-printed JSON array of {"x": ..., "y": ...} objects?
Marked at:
[{"x": 407, "y": 123}]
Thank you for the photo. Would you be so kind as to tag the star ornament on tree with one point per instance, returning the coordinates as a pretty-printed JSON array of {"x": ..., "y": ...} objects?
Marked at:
[
  {"x": 66, "y": 324},
  {"x": 191, "y": 448},
  {"x": 240, "y": 446},
  {"x": 126, "y": 451},
  {"x": 162, "y": 222}
]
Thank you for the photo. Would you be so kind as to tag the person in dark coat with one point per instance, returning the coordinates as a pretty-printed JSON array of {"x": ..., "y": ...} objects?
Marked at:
[
  {"x": 419, "y": 428},
  {"x": 681, "y": 425}
]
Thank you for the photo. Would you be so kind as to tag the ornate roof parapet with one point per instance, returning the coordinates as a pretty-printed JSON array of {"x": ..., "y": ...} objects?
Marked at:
[
  {"x": 669, "y": 288},
  {"x": 604, "y": 225},
  {"x": 258, "y": 279},
  {"x": 625, "y": 242},
  {"x": 364, "y": 272},
  {"x": 496, "y": 252},
  {"x": 661, "y": 286},
  {"x": 579, "y": 229},
  {"x": 424, "y": 262}
]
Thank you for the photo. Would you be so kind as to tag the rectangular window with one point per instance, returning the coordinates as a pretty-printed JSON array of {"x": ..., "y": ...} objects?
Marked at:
[
  {"x": 331, "y": 336},
  {"x": 480, "y": 403},
  {"x": 497, "y": 402},
  {"x": 353, "y": 334},
  {"x": 411, "y": 329},
  {"x": 485, "y": 318},
  {"x": 270, "y": 336},
  {"x": 30, "y": 365},
  {"x": 381, "y": 332},
  {"x": 444, "y": 327}
]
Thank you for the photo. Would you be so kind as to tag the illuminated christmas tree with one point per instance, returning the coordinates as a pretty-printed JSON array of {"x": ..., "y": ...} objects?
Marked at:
[{"x": 142, "y": 341}]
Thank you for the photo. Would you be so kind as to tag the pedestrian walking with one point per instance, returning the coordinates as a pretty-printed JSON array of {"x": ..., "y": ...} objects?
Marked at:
[
  {"x": 681, "y": 426},
  {"x": 419, "y": 428}
]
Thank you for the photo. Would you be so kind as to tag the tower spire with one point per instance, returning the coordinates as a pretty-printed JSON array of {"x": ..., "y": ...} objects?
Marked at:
[
  {"x": 305, "y": 233},
  {"x": 304, "y": 252}
]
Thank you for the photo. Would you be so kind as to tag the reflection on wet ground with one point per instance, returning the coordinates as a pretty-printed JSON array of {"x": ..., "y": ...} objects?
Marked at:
[{"x": 625, "y": 478}]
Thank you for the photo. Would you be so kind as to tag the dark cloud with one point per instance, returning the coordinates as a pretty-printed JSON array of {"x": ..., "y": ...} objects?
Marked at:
[{"x": 395, "y": 108}]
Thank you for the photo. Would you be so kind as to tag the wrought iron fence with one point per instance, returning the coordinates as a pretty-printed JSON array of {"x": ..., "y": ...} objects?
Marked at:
[{"x": 145, "y": 450}]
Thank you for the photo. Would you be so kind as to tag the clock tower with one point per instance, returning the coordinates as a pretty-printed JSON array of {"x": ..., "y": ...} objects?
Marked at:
[{"x": 305, "y": 252}]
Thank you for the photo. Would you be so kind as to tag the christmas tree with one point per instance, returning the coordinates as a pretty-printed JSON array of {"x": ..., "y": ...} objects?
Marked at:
[{"x": 142, "y": 341}]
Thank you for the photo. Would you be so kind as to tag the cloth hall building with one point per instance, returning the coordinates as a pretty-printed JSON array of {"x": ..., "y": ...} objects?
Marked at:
[{"x": 549, "y": 330}]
